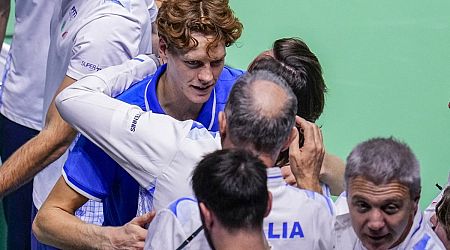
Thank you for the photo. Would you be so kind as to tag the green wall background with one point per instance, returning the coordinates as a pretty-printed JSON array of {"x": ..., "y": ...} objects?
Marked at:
[{"x": 386, "y": 64}]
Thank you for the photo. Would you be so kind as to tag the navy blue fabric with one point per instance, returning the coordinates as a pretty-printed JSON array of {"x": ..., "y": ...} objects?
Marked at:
[{"x": 17, "y": 205}]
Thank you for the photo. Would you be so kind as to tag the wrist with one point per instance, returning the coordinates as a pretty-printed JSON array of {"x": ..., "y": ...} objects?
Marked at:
[
  {"x": 309, "y": 184},
  {"x": 103, "y": 237}
]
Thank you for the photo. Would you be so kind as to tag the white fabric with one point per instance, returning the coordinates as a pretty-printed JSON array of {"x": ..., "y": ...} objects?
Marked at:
[
  {"x": 22, "y": 86},
  {"x": 298, "y": 220},
  {"x": 157, "y": 150},
  {"x": 420, "y": 236},
  {"x": 88, "y": 36},
  {"x": 3, "y": 55},
  {"x": 171, "y": 227}
]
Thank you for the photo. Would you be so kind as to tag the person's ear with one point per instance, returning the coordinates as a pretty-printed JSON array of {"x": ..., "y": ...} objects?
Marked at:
[
  {"x": 269, "y": 204},
  {"x": 291, "y": 137},
  {"x": 222, "y": 124},
  {"x": 416, "y": 204},
  {"x": 163, "y": 49},
  {"x": 207, "y": 216}
]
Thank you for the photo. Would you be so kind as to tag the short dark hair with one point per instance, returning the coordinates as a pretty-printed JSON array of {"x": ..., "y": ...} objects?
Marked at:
[
  {"x": 384, "y": 160},
  {"x": 233, "y": 184},
  {"x": 250, "y": 127}
]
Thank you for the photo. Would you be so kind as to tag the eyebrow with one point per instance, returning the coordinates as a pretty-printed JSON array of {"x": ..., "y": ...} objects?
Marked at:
[
  {"x": 187, "y": 58},
  {"x": 356, "y": 198}
]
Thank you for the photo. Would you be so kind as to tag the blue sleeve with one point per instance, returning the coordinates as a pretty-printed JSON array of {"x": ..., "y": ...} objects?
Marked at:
[{"x": 89, "y": 170}]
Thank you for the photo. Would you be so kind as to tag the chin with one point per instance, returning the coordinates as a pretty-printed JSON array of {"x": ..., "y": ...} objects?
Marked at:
[
  {"x": 381, "y": 245},
  {"x": 200, "y": 99},
  {"x": 377, "y": 247}
]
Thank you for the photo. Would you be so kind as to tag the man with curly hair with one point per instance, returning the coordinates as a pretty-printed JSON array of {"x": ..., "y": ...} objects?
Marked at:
[{"x": 191, "y": 84}]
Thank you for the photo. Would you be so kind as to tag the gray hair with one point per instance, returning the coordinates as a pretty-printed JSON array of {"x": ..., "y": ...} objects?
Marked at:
[
  {"x": 384, "y": 160},
  {"x": 250, "y": 125}
]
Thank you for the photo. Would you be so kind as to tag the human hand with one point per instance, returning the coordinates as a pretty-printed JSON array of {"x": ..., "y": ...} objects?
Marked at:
[
  {"x": 131, "y": 235},
  {"x": 306, "y": 161},
  {"x": 288, "y": 176}
]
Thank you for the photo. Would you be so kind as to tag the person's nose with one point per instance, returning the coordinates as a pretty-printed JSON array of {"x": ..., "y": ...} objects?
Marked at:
[
  {"x": 206, "y": 75},
  {"x": 376, "y": 220}
]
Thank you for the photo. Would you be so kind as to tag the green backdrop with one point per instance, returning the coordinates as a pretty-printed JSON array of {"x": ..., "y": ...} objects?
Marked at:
[{"x": 385, "y": 64}]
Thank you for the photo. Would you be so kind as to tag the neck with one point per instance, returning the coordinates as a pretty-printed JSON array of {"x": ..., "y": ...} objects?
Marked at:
[
  {"x": 268, "y": 160},
  {"x": 240, "y": 240},
  {"x": 174, "y": 103}
]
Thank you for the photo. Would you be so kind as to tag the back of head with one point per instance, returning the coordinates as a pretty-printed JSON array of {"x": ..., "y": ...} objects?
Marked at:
[
  {"x": 233, "y": 185},
  {"x": 382, "y": 161},
  {"x": 179, "y": 19},
  {"x": 307, "y": 82},
  {"x": 260, "y": 112}
]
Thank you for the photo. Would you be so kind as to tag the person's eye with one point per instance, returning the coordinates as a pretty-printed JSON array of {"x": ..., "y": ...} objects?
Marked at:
[
  {"x": 192, "y": 63},
  {"x": 362, "y": 207},
  {"x": 391, "y": 209},
  {"x": 217, "y": 63}
]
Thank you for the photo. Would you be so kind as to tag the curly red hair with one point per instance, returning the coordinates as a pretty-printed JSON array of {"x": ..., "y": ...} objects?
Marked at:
[{"x": 179, "y": 19}]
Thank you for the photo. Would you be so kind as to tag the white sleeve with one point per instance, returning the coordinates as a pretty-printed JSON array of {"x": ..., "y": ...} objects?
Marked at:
[
  {"x": 152, "y": 10},
  {"x": 164, "y": 232},
  {"x": 324, "y": 229},
  {"x": 96, "y": 46},
  {"x": 139, "y": 141},
  {"x": 120, "y": 77}
]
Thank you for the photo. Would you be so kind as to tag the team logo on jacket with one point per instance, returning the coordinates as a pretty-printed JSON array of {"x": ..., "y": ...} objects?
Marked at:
[{"x": 288, "y": 230}]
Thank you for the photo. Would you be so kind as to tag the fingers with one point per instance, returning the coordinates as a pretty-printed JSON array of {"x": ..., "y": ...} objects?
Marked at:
[
  {"x": 143, "y": 219},
  {"x": 288, "y": 176},
  {"x": 311, "y": 133},
  {"x": 293, "y": 147}
]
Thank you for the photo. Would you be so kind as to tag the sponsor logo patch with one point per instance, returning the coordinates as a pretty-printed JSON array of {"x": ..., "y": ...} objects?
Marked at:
[
  {"x": 90, "y": 66},
  {"x": 134, "y": 122}
]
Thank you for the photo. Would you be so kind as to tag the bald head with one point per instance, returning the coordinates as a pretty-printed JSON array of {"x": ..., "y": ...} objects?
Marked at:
[
  {"x": 269, "y": 98},
  {"x": 260, "y": 112}
]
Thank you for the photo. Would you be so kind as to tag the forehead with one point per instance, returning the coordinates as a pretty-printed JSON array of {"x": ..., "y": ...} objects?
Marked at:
[
  {"x": 361, "y": 188},
  {"x": 203, "y": 50}
]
